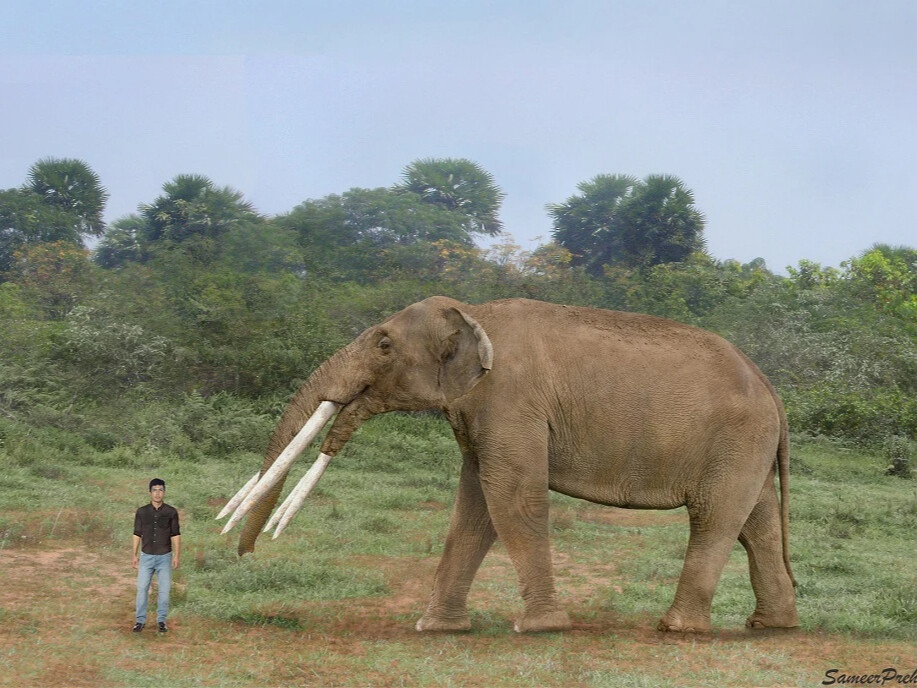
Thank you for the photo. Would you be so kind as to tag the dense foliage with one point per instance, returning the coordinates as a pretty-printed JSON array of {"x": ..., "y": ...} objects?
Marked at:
[
  {"x": 194, "y": 319},
  {"x": 620, "y": 220}
]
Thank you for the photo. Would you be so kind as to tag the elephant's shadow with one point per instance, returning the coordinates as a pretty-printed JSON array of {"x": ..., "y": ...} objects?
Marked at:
[{"x": 393, "y": 614}]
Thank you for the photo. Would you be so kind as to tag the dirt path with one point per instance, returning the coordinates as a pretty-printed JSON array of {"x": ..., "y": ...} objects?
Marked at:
[{"x": 65, "y": 615}]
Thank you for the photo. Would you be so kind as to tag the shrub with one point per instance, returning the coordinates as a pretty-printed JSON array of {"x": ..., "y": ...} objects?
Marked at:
[
  {"x": 223, "y": 424},
  {"x": 898, "y": 451},
  {"x": 867, "y": 417},
  {"x": 107, "y": 352}
]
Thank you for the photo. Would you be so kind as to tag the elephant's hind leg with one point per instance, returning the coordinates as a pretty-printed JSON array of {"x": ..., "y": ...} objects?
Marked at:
[
  {"x": 706, "y": 556},
  {"x": 761, "y": 536},
  {"x": 716, "y": 520},
  {"x": 471, "y": 533}
]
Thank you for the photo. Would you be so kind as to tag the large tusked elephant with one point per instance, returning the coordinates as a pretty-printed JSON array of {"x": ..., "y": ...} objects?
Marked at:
[{"x": 616, "y": 408}]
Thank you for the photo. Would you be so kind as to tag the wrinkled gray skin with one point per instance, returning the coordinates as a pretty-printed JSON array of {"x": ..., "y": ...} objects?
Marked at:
[{"x": 615, "y": 408}]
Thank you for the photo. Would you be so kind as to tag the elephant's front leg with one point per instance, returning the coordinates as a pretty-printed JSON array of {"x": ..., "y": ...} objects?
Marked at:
[
  {"x": 514, "y": 476},
  {"x": 471, "y": 533}
]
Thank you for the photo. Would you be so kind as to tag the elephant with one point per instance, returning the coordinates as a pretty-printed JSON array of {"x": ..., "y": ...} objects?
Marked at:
[{"x": 616, "y": 408}]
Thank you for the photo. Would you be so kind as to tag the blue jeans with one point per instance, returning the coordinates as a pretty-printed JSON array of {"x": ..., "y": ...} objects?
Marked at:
[{"x": 162, "y": 565}]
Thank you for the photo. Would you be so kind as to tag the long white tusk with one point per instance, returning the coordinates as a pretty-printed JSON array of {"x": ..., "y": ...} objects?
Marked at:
[
  {"x": 302, "y": 490},
  {"x": 305, "y": 484},
  {"x": 283, "y": 462},
  {"x": 240, "y": 495}
]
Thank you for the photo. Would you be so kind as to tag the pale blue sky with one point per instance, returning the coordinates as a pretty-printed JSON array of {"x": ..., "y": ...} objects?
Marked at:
[{"x": 793, "y": 122}]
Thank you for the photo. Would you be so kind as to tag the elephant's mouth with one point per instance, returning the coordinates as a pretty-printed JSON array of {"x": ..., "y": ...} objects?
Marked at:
[{"x": 342, "y": 401}]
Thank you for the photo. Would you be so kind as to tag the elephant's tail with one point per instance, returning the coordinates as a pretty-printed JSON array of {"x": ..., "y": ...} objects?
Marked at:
[{"x": 783, "y": 471}]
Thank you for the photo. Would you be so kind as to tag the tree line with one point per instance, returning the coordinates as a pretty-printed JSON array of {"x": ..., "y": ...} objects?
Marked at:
[{"x": 197, "y": 298}]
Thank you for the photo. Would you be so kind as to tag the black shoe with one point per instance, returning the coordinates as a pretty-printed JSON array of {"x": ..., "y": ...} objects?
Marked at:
[
  {"x": 162, "y": 627},
  {"x": 137, "y": 627}
]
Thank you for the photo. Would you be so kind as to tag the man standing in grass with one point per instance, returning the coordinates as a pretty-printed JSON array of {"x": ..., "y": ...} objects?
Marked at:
[{"x": 156, "y": 529}]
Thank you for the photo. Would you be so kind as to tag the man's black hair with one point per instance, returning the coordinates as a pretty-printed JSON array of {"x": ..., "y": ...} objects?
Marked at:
[{"x": 157, "y": 481}]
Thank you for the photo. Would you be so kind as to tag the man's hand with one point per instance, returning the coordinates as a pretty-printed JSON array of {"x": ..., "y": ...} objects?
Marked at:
[
  {"x": 135, "y": 548},
  {"x": 176, "y": 550}
]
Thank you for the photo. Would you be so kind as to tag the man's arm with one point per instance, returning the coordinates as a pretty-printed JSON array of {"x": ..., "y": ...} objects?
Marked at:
[
  {"x": 176, "y": 541},
  {"x": 135, "y": 557},
  {"x": 176, "y": 550}
]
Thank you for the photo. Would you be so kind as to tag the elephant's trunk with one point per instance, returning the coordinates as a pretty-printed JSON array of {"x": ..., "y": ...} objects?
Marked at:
[
  {"x": 348, "y": 421},
  {"x": 329, "y": 382},
  {"x": 352, "y": 417}
]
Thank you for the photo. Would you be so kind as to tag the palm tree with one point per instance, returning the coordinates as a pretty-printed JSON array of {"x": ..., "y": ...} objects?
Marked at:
[
  {"x": 73, "y": 186},
  {"x": 660, "y": 222},
  {"x": 459, "y": 185},
  {"x": 618, "y": 219},
  {"x": 193, "y": 207},
  {"x": 587, "y": 224}
]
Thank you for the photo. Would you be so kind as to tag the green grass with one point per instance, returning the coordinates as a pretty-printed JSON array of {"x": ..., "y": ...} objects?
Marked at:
[
  {"x": 387, "y": 498},
  {"x": 851, "y": 535}
]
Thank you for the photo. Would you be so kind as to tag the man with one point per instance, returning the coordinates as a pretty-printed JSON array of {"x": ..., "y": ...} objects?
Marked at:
[{"x": 156, "y": 529}]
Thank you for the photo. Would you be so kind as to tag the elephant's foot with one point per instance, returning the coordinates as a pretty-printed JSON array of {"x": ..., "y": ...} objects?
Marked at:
[
  {"x": 451, "y": 625},
  {"x": 761, "y": 620},
  {"x": 557, "y": 620},
  {"x": 676, "y": 622}
]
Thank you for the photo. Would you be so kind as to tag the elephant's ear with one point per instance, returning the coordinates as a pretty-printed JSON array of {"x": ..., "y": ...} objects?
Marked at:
[{"x": 467, "y": 355}]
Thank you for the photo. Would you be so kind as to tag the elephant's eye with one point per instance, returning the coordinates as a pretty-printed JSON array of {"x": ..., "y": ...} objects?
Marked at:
[{"x": 385, "y": 344}]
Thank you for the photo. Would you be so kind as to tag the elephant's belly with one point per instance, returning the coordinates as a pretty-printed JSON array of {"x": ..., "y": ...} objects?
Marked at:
[
  {"x": 635, "y": 483},
  {"x": 649, "y": 457}
]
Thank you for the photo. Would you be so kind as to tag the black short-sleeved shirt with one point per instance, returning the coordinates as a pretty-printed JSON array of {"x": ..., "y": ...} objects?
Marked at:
[{"x": 156, "y": 528}]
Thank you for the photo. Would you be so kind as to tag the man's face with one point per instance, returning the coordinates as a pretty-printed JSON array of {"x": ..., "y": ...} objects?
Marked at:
[{"x": 157, "y": 494}]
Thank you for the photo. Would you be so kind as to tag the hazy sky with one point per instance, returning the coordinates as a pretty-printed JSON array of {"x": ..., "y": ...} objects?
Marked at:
[{"x": 795, "y": 123}]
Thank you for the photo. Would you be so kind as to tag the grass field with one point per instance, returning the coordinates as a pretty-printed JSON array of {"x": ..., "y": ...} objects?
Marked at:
[{"x": 333, "y": 601}]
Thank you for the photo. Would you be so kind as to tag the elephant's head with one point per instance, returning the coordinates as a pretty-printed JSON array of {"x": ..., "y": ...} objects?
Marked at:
[{"x": 423, "y": 357}]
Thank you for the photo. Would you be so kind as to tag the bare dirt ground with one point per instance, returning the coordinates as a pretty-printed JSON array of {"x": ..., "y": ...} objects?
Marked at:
[{"x": 66, "y": 613}]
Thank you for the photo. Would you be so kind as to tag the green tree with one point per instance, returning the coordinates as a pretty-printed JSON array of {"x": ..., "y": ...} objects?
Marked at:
[
  {"x": 193, "y": 207},
  {"x": 886, "y": 276},
  {"x": 459, "y": 185},
  {"x": 72, "y": 186},
  {"x": 587, "y": 224},
  {"x": 62, "y": 200},
  {"x": 620, "y": 220},
  {"x": 122, "y": 243},
  {"x": 192, "y": 214},
  {"x": 688, "y": 290},
  {"x": 56, "y": 275},
  {"x": 383, "y": 218},
  {"x": 261, "y": 247},
  {"x": 362, "y": 233},
  {"x": 26, "y": 220}
]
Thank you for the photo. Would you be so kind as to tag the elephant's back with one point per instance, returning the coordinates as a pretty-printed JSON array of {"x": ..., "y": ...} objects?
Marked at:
[
  {"x": 645, "y": 370},
  {"x": 577, "y": 332}
]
